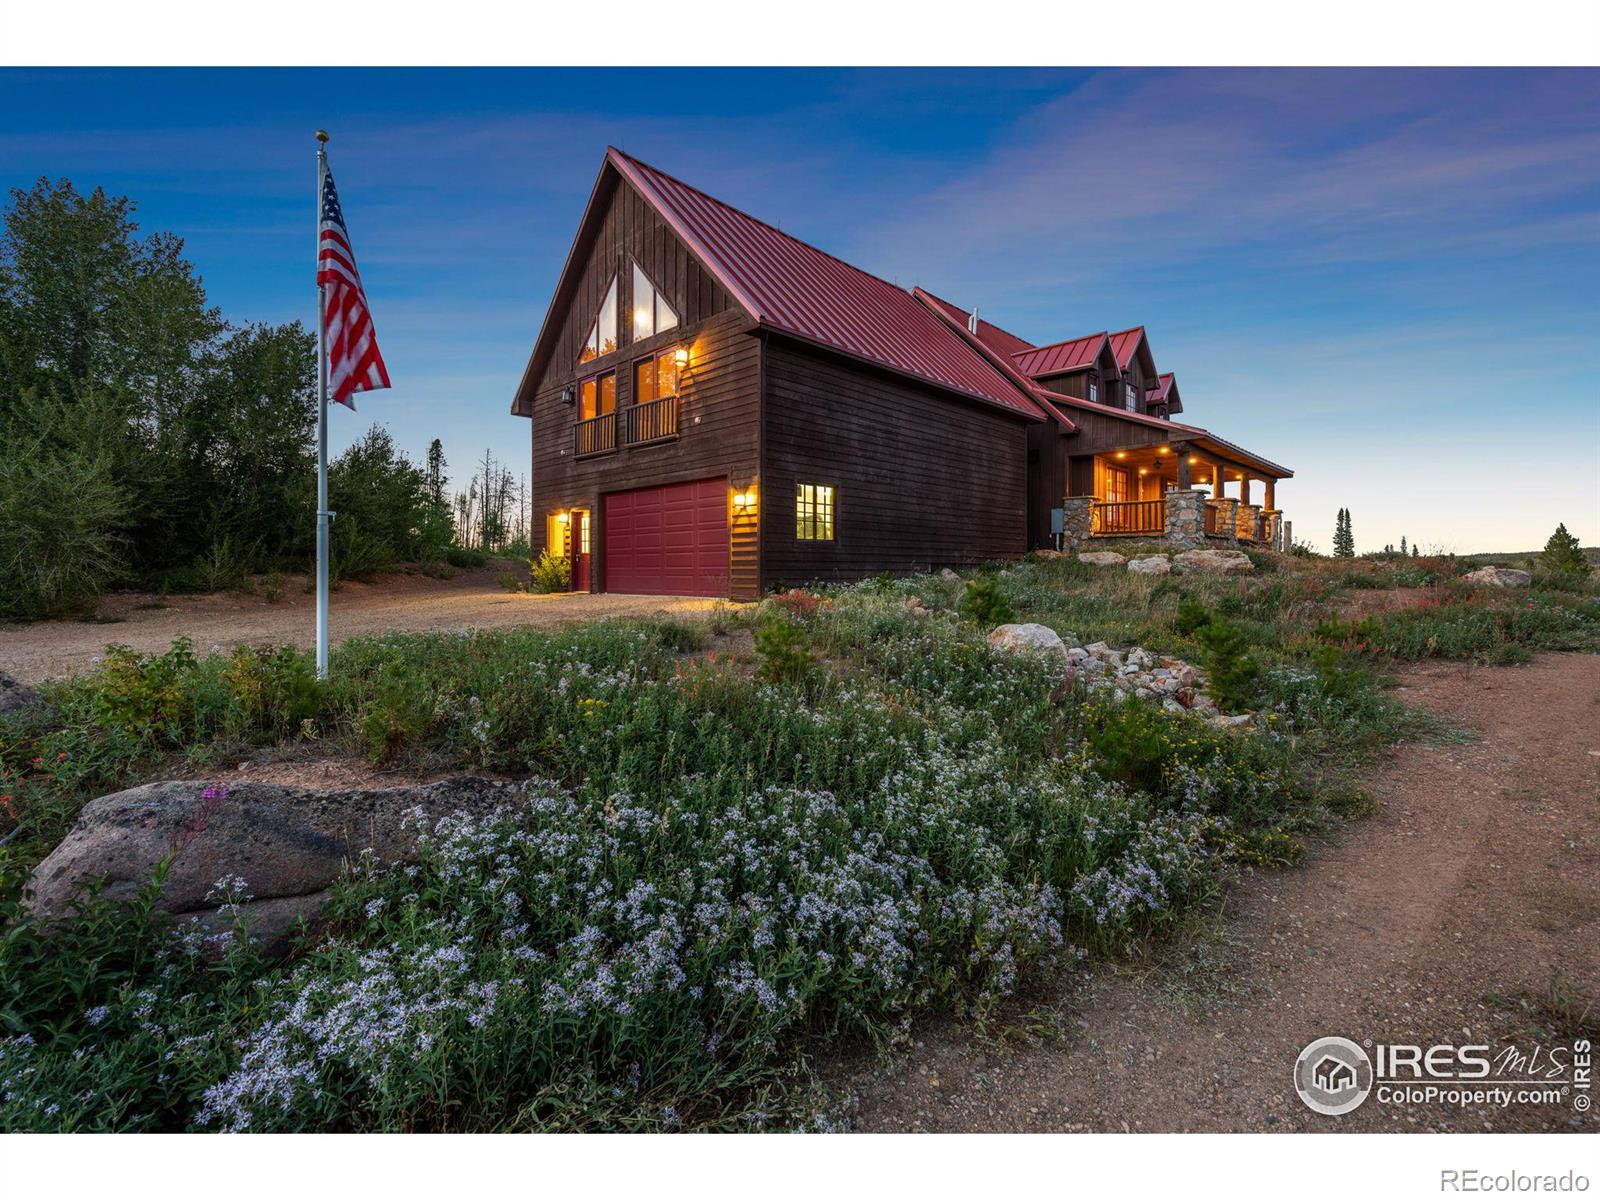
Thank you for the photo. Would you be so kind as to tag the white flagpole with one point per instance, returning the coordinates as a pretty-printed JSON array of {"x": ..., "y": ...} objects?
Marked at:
[{"x": 323, "y": 515}]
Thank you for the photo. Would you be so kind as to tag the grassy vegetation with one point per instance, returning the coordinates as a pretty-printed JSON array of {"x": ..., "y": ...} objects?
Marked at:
[{"x": 720, "y": 854}]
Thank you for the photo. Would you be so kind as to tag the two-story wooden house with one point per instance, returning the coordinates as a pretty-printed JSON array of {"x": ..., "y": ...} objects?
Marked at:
[{"x": 717, "y": 407}]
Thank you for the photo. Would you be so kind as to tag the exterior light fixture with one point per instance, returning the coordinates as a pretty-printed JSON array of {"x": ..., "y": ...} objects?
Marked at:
[
  {"x": 681, "y": 356},
  {"x": 1122, "y": 454},
  {"x": 745, "y": 499},
  {"x": 568, "y": 396},
  {"x": 562, "y": 518}
]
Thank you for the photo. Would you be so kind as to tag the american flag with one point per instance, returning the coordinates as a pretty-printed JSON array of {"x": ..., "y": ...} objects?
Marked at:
[{"x": 354, "y": 363}]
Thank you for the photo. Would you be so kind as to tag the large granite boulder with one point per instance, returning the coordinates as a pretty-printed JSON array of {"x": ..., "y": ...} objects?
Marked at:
[
  {"x": 1029, "y": 639},
  {"x": 1102, "y": 558},
  {"x": 286, "y": 844},
  {"x": 1213, "y": 562},
  {"x": 1152, "y": 564},
  {"x": 1499, "y": 577}
]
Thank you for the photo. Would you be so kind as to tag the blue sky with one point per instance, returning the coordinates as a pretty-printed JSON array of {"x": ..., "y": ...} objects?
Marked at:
[{"x": 1385, "y": 280}]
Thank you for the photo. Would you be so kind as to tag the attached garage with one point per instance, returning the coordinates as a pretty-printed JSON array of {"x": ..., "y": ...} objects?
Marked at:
[{"x": 667, "y": 541}]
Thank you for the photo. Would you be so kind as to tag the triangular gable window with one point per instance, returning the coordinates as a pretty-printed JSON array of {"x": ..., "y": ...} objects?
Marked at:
[
  {"x": 651, "y": 312},
  {"x": 602, "y": 337}
]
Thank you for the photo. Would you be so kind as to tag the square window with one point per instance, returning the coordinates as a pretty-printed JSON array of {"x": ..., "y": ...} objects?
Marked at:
[{"x": 813, "y": 512}]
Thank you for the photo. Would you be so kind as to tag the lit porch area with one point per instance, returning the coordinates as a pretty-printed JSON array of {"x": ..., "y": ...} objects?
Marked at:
[{"x": 1196, "y": 492}]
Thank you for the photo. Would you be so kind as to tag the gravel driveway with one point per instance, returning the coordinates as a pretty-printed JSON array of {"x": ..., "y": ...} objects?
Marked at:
[{"x": 391, "y": 604}]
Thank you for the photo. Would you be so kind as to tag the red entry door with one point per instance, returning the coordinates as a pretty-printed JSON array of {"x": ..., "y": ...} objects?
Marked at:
[
  {"x": 668, "y": 541},
  {"x": 580, "y": 551}
]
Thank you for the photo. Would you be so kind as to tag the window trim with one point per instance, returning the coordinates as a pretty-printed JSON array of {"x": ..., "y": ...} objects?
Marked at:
[
  {"x": 820, "y": 509},
  {"x": 657, "y": 357},
  {"x": 614, "y": 290},
  {"x": 595, "y": 378},
  {"x": 657, "y": 301}
]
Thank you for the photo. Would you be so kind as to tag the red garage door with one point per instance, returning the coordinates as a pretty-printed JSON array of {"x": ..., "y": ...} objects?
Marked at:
[{"x": 668, "y": 541}]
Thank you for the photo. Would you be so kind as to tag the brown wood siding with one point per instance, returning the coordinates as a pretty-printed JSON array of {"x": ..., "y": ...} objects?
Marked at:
[
  {"x": 1106, "y": 431},
  {"x": 1046, "y": 480},
  {"x": 922, "y": 479}
]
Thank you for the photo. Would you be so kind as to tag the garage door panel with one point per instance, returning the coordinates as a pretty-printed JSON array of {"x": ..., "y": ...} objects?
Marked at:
[{"x": 670, "y": 540}]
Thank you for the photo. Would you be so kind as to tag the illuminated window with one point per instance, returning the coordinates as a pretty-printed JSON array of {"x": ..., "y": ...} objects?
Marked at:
[
  {"x": 602, "y": 337},
  {"x": 1117, "y": 489},
  {"x": 813, "y": 512},
  {"x": 597, "y": 395},
  {"x": 651, "y": 312},
  {"x": 1094, "y": 392},
  {"x": 655, "y": 378},
  {"x": 1132, "y": 399}
]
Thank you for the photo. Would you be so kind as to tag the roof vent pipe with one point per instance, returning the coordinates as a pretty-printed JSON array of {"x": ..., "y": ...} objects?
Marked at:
[{"x": 972, "y": 322}]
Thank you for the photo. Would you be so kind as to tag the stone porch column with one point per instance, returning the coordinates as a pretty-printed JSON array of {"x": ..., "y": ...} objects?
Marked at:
[
  {"x": 1076, "y": 513},
  {"x": 1257, "y": 530},
  {"x": 1228, "y": 518},
  {"x": 1185, "y": 521}
]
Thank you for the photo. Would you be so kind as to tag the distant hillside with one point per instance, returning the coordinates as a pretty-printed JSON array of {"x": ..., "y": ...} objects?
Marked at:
[{"x": 1518, "y": 557}]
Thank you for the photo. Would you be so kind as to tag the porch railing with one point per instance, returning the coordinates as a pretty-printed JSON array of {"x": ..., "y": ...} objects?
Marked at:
[
  {"x": 652, "y": 421},
  {"x": 1125, "y": 518},
  {"x": 597, "y": 435}
]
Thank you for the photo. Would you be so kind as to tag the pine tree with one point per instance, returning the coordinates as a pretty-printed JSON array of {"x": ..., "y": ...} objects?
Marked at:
[
  {"x": 1415, "y": 552},
  {"x": 1403, "y": 550},
  {"x": 1344, "y": 542},
  {"x": 1563, "y": 556}
]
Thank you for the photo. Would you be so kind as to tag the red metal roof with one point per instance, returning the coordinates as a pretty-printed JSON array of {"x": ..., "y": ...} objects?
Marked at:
[
  {"x": 792, "y": 287},
  {"x": 1054, "y": 359},
  {"x": 1158, "y": 395},
  {"x": 1125, "y": 344},
  {"x": 999, "y": 340}
]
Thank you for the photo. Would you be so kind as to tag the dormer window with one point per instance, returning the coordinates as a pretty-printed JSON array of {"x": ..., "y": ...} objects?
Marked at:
[
  {"x": 1094, "y": 391},
  {"x": 651, "y": 312},
  {"x": 1132, "y": 398},
  {"x": 602, "y": 337}
]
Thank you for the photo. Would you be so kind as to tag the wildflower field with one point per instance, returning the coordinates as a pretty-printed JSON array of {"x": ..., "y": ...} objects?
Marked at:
[{"x": 735, "y": 842}]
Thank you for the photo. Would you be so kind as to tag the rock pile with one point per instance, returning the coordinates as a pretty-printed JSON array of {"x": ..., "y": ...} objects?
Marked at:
[
  {"x": 1174, "y": 684},
  {"x": 1498, "y": 577}
]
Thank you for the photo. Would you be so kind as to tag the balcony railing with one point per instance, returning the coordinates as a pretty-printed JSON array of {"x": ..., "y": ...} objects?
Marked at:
[
  {"x": 597, "y": 435},
  {"x": 1128, "y": 518},
  {"x": 652, "y": 421}
]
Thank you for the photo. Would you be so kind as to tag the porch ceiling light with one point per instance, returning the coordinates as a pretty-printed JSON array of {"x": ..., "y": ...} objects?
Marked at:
[{"x": 1122, "y": 454}]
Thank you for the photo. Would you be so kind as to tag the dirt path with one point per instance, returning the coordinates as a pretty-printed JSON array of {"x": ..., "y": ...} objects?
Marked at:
[
  {"x": 1439, "y": 918},
  {"x": 393, "y": 603}
]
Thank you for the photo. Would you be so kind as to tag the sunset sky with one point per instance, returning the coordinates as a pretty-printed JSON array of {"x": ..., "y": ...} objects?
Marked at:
[{"x": 1384, "y": 280}]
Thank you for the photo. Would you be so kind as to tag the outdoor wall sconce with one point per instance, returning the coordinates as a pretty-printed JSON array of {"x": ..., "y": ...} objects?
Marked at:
[
  {"x": 568, "y": 397},
  {"x": 745, "y": 500},
  {"x": 681, "y": 355},
  {"x": 562, "y": 518}
]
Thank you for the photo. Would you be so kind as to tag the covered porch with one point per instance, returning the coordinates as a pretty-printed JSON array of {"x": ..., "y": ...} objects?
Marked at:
[{"x": 1193, "y": 492}]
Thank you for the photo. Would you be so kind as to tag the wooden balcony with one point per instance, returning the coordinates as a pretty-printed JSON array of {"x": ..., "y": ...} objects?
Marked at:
[
  {"x": 652, "y": 421},
  {"x": 597, "y": 435},
  {"x": 1128, "y": 518}
]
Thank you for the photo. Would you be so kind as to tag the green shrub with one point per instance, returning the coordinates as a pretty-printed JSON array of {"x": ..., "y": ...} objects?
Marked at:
[
  {"x": 510, "y": 581},
  {"x": 550, "y": 573},
  {"x": 984, "y": 604},
  {"x": 1232, "y": 675},
  {"x": 781, "y": 647},
  {"x": 464, "y": 557},
  {"x": 397, "y": 715},
  {"x": 271, "y": 692},
  {"x": 1192, "y": 616},
  {"x": 1562, "y": 555},
  {"x": 62, "y": 517},
  {"x": 272, "y": 587}
]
